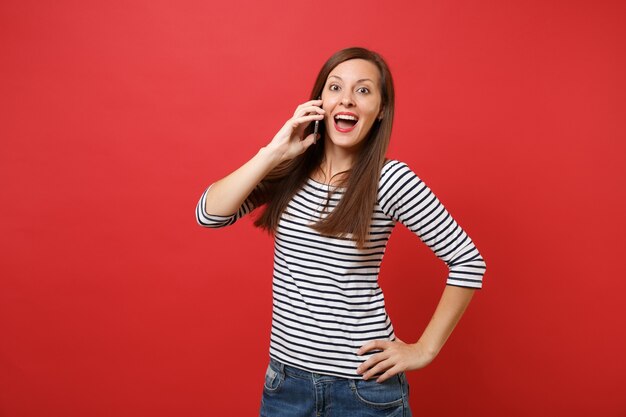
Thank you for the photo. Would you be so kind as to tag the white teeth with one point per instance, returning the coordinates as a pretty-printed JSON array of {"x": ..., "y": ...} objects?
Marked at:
[{"x": 346, "y": 117}]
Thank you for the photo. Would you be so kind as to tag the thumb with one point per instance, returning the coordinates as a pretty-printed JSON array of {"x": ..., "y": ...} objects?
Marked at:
[{"x": 309, "y": 140}]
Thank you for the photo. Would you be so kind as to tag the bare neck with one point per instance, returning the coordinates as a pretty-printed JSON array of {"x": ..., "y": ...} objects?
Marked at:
[{"x": 336, "y": 161}]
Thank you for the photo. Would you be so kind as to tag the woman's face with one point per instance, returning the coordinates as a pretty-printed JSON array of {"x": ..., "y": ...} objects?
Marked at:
[{"x": 352, "y": 101}]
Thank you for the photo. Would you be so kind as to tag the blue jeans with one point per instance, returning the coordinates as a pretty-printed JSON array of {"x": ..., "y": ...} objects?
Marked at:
[{"x": 292, "y": 392}]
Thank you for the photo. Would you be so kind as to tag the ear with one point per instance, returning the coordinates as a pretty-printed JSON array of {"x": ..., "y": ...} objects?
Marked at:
[{"x": 380, "y": 113}]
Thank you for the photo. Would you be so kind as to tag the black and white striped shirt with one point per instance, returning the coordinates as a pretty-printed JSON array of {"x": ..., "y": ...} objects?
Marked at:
[{"x": 326, "y": 299}]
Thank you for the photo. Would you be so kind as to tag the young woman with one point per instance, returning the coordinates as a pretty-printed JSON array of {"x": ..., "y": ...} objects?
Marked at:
[{"x": 332, "y": 200}]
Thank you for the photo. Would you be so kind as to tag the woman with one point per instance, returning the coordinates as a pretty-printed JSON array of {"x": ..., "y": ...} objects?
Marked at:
[{"x": 332, "y": 200}]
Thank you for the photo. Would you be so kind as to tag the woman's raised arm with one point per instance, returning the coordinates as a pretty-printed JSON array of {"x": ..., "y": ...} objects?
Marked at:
[{"x": 226, "y": 195}]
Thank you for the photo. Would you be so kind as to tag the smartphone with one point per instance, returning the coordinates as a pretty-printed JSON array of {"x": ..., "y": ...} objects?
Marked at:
[{"x": 316, "y": 128}]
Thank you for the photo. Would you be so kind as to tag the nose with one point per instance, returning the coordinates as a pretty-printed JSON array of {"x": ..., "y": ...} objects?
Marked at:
[{"x": 347, "y": 99}]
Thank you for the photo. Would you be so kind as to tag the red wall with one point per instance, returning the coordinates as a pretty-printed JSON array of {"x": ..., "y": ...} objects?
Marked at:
[{"x": 116, "y": 115}]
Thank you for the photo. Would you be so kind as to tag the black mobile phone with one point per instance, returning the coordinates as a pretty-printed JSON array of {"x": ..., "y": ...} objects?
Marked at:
[{"x": 316, "y": 128}]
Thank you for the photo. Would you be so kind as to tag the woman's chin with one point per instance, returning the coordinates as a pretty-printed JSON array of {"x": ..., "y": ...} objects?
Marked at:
[{"x": 344, "y": 141}]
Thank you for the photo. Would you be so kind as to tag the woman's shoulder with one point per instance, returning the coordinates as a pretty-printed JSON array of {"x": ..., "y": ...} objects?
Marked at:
[{"x": 393, "y": 168}]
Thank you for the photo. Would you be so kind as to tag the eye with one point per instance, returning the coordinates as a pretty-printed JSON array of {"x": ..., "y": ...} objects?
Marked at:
[
  {"x": 363, "y": 90},
  {"x": 333, "y": 87}
]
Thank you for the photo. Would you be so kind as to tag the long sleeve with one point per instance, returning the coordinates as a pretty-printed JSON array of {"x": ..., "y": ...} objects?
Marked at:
[
  {"x": 405, "y": 198},
  {"x": 214, "y": 221}
]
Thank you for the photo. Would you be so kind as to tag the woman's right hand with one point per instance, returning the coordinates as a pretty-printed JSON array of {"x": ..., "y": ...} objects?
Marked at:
[
  {"x": 226, "y": 196},
  {"x": 289, "y": 141}
]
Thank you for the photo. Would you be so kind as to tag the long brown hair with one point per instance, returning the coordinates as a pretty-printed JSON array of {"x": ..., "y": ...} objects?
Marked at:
[{"x": 352, "y": 216}]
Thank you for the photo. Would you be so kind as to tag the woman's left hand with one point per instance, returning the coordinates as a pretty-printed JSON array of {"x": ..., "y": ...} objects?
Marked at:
[{"x": 395, "y": 357}]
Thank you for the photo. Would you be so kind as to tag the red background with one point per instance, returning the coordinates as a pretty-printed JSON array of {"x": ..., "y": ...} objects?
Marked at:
[{"x": 116, "y": 115}]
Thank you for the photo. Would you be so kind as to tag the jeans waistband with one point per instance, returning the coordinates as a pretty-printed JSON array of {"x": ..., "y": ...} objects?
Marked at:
[
  {"x": 297, "y": 372},
  {"x": 301, "y": 373}
]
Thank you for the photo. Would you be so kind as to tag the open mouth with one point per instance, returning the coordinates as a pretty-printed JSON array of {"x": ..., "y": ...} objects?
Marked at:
[{"x": 345, "y": 122}]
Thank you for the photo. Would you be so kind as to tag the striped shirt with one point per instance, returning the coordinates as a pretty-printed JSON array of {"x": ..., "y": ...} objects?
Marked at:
[{"x": 326, "y": 299}]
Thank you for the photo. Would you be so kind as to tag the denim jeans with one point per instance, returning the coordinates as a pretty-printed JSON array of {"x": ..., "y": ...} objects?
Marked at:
[{"x": 292, "y": 392}]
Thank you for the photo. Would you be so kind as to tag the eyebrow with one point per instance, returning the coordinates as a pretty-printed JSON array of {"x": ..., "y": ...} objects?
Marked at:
[{"x": 358, "y": 81}]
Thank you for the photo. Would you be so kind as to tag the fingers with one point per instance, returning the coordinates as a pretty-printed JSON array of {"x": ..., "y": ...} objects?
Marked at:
[
  {"x": 385, "y": 368},
  {"x": 394, "y": 370},
  {"x": 373, "y": 345},
  {"x": 306, "y": 111},
  {"x": 313, "y": 106},
  {"x": 387, "y": 362},
  {"x": 308, "y": 141},
  {"x": 368, "y": 368},
  {"x": 309, "y": 103},
  {"x": 298, "y": 121},
  {"x": 392, "y": 358}
]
